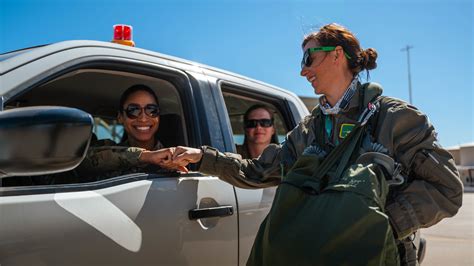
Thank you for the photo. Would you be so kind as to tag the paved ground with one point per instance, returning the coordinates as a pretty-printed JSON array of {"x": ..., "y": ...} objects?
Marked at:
[{"x": 451, "y": 242}]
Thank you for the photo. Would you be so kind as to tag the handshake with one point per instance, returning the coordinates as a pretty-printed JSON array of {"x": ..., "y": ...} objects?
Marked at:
[{"x": 174, "y": 158}]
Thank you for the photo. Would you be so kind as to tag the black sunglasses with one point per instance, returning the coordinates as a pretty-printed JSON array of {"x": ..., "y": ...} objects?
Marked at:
[
  {"x": 252, "y": 123},
  {"x": 133, "y": 111}
]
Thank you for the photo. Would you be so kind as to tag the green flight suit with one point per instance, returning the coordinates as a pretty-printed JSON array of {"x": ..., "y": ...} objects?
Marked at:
[{"x": 433, "y": 191}]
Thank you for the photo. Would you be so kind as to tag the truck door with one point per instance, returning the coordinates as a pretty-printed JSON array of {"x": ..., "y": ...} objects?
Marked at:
[
  {"x": 140, "y": 218},
  {"x": 235, "y": 96}
]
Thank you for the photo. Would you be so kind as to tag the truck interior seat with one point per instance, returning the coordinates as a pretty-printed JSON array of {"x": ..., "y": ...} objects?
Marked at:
[{"x": 170, "y": 132}]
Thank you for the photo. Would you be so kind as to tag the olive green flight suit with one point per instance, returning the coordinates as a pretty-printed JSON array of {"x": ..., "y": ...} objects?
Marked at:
[{"x": 433, "y": 190}]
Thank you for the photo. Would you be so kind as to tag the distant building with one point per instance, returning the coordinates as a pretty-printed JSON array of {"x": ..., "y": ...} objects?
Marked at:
[
  {"x": 464, "y": 159},
  {"x": 310, "y": 102}
]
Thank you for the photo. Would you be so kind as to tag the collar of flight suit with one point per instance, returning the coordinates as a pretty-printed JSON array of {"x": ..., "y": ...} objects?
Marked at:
[
  {"x": 342, "y": 103},
  {"x": 371, "y": 89}
]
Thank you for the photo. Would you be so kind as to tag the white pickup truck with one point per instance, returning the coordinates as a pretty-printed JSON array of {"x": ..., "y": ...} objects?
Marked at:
[{"x": 149, "y": 218}]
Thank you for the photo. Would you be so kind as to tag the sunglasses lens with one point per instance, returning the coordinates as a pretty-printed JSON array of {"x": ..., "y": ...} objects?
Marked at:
[
  {"x": 266, "y": 122},
  {"x": 307, "y": 60},
  {"x": 262, "y": 122},
  {"x": 152, "y": 110},
  {"x": 133, "y": 111},
  {"x": 250, "y": 123}
]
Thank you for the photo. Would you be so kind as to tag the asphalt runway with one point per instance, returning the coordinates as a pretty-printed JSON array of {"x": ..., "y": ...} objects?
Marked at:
[{"x": 451, "y": 242}]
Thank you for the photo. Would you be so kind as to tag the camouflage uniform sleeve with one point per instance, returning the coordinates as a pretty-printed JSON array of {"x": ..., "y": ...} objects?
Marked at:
[
  {"x": 434, "y": 189},
  {"x": 264, "y": 171},
  {"x": 105, "y": 158}
]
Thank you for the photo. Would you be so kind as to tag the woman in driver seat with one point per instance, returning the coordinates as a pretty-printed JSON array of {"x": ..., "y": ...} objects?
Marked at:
[{"x": 139, "y": 113}]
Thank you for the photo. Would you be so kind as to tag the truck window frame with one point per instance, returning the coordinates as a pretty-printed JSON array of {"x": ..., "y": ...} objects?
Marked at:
[{"x": 276, "y": 101}]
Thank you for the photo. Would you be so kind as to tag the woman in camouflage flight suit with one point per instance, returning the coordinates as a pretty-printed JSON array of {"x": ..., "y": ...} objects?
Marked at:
[{"x": 139, "y": 113}]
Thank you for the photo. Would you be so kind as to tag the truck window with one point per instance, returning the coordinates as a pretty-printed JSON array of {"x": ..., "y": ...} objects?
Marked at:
[
  {"x": 97, "y": 91},
  {"x": 238, "y": 103}
]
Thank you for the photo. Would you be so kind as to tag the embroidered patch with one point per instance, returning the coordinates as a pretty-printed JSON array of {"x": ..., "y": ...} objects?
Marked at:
[{"x": 345, "y": 130}]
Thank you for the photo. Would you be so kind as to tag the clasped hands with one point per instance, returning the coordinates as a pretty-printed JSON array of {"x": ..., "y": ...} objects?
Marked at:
[{"x": 174, "y": 158}]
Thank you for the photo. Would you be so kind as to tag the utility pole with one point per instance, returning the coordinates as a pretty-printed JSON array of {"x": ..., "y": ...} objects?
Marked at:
[{"x": 407, "y": 49}]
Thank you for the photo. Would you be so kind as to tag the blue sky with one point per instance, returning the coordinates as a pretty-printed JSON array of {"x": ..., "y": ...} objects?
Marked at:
[{"x": 261, "y": 39}]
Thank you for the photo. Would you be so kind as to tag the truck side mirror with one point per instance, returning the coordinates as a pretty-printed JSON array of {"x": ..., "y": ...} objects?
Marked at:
[{"x": 43, "y": 140}]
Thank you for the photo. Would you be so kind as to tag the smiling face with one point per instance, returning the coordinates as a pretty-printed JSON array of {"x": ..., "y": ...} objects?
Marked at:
[
  {"x": 320, "y": 73},
  {"x": 141, "y": 130},
  {"x": 259, "y": 134}
]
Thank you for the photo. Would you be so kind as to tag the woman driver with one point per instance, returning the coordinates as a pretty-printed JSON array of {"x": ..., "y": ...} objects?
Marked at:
[{"x": 139, "y": 113}]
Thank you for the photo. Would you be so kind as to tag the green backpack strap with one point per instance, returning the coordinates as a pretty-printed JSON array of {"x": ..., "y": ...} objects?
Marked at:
[
  {"x": 345, "y": 149},
  {"x": 350, "y": 143},
  {"x": 369, "y": 92}
]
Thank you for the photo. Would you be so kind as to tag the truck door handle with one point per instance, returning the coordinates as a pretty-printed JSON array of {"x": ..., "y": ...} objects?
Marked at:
[{"x": 220, "y": 211}]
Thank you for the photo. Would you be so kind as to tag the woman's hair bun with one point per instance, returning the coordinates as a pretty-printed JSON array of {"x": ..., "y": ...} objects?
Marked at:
[{"x": 368, "y": 58}]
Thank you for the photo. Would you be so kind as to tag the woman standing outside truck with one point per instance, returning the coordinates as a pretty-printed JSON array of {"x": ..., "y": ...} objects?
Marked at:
[{"x": 332, "y": 61}]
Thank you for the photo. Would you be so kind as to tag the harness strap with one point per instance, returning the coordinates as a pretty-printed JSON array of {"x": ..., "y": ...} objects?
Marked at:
[
  {"x": 347, "y": 147},
  {"x": 370, "y": 99}
]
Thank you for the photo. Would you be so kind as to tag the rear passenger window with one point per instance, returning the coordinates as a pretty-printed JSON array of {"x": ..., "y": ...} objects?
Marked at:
[{"x": 238, "y": 101}]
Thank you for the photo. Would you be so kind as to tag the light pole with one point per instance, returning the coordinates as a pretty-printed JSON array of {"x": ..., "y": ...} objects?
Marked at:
[{"x": 407, "y": 48}]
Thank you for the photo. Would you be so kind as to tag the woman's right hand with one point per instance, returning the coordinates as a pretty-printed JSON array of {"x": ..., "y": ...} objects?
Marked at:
[{"x": 183, "y": 156}]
